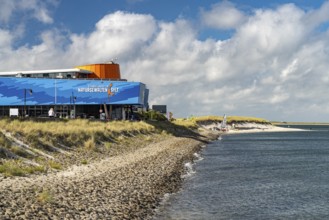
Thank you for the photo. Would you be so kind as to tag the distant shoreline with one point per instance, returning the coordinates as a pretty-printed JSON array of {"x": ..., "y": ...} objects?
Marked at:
[
  {"x": 260, "y": 130},
  {"x": 301, "y": 123},
  {"x": 250, "y": 127}
]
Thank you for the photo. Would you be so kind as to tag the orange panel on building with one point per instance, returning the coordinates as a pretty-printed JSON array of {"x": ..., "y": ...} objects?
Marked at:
[{"x": 103, "y": 71}]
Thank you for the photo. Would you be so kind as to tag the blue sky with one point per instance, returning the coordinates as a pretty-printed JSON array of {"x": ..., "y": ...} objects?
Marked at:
[
  {"x": 81, "y": 16},
  {"x": 241, "y": 57}
]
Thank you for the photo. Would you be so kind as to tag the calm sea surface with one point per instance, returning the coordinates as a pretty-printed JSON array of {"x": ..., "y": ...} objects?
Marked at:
[{"x": 257, "y": 176}]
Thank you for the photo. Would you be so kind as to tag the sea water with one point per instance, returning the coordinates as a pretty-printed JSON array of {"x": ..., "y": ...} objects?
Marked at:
[{"x": 282, "y": 175}]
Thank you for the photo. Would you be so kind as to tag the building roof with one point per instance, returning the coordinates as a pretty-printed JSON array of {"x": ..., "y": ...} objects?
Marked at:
[{"x": 73, "y": 70}]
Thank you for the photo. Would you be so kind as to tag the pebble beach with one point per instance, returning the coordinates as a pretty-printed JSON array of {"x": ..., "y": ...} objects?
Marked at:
[{"x": 126, "y": 186}]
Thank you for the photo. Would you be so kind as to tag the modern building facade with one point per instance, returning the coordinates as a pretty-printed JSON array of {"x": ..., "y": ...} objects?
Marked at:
[{"x": 84, "y": 91}]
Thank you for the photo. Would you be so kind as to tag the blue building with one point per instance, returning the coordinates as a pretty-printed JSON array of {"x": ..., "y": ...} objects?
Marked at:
[{"x": 73, "y": 92}]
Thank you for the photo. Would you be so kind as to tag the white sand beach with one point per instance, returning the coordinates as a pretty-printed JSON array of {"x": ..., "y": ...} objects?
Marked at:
[
  {"x": 250, "y": 128},
  {"x": 254, "y": 127}
]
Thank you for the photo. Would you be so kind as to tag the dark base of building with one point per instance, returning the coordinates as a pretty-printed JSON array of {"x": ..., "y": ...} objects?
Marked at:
[{"x": 115, "y": 112}]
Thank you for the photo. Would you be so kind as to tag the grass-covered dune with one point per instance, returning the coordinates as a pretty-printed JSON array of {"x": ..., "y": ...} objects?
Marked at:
[
  {"x": 36, "y": 146},
  {"x": 194, "y": 122},
  {"x": 30, "y": 146}
]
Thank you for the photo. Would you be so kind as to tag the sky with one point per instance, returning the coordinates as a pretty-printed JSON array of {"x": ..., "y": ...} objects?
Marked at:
[{"x": 267, "y": 59}]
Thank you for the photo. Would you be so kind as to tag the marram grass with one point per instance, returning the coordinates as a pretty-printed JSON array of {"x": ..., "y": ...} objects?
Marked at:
[
  {"x": 72, "y": 126},
  {"x": 45, "y": 196},
  {"x": 185, "y": 123},
  {"x": 73, "y": 132},
  {"x": 48, "y": 135},
  {"x": 230, "y": 119},
  {"x": 89, "y": 136},
  {"x": 15, "y": 168}
]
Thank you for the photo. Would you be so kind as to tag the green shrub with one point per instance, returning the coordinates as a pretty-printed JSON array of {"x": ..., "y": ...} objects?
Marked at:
[
  {"x": 107, "y": 145},
  {"x": 20, "y": 151},
  {"x": 55, "y": 165},
  {"x": 11, "y": 168},
  {"x": 35, "y": 169},
  {"x": 153, "y": 115},
  {"x": 4, "y": 142},
  {"x": 90, "y": 144},
  {"x": 45, "y": 196}
]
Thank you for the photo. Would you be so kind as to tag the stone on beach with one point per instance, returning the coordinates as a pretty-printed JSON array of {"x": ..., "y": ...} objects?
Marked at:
[{"x": 126, "y": 186}]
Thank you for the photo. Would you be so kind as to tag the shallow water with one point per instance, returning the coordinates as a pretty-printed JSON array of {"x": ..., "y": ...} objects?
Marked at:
[{"x": 257, "y": 176}]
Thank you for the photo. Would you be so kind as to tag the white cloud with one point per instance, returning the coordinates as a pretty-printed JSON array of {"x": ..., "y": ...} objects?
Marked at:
[
  {"x": 5, "y": 39},
  {"x": 274, "y": 66},
  {"x": 289, "y": 70},
  {"x": 316, "y": 17},
  {"x": 222, "y": 15},
  {"x": 37, "y": 9},
  {"x": 118, "y": 35},
  {"x": 43, "y": 16},
  {"x": 6, "y": 9}
]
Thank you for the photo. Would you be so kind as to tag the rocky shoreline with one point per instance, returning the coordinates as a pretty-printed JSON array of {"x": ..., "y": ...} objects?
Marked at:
[{"x": 126, "y": 186}]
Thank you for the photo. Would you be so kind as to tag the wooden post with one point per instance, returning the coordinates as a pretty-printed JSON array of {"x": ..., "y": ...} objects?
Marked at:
[{"x": 106, "y": 112}]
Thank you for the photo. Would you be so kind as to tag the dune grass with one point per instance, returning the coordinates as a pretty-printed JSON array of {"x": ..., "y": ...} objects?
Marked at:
[
  {"x": 45, "y": 196},
  {"x": 72, "y": 132},
  {"x": 16, "y": 168},
  {"x": 79, "y": 126},
  {"x": 9, "y": 168},
  {"x": 193, "y": 121},
  {"x": 48, "y": 137},
  {"x": 55, "y": 165},
  {"x": 188, "y": 123}
]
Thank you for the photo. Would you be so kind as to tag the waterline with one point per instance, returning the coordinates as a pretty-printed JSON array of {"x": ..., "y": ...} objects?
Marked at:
[{"x": 257, "y": 176}]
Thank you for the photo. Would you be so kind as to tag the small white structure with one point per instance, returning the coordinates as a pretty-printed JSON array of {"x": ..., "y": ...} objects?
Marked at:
[
  {"x": 223, "y": 126},
  {"x": 13, "y": 112}
]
